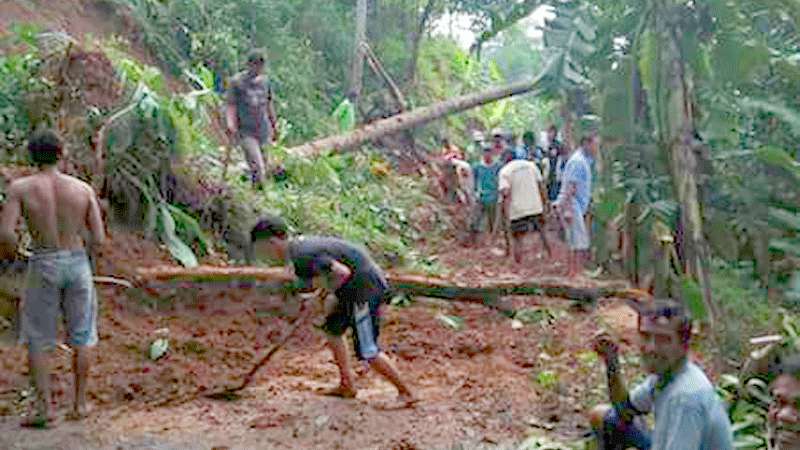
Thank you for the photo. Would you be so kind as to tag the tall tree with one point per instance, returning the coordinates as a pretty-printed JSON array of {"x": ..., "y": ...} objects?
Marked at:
[
  {"x": 357, "y": 68},
  {"x": 425, "y": 19}
]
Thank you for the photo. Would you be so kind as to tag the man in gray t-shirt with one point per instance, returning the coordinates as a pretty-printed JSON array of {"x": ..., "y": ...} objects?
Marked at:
[
  {"x": 688, "y": 414},
  {"x": 250, "y": 114}
]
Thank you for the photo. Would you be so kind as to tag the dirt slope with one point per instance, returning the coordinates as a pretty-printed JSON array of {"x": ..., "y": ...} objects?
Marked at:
[
  {"x": 486, "y": 385},
  {"x": 81, "y": 19}
]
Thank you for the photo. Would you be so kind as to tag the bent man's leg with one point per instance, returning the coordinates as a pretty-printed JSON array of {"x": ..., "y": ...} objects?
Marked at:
[
  {"x": 613, "y": 433},
  {"x": 346, "y": 387},
  {"x": 383, "y": 365},
  {"x": 365, "y": 341}
]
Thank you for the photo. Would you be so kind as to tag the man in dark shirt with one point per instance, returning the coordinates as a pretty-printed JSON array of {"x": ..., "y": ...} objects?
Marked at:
[
  {"x": 250, "y": 114},
  {"x": 557, "y": 159},
  {"x": 359, "y": 286}
]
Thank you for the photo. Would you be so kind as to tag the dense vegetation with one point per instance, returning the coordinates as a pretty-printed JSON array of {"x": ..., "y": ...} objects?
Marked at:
[{"x": 699, "y": 173}]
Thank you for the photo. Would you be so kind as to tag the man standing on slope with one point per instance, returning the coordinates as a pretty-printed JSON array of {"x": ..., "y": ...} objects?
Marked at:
[
  {"x": 359, "y": 287},
  {"x": 523, "y": 198},
  {"x": 573, "y": 202},
  {"x": 62, "y": 214},
  {"x": 250, "y": 114}
]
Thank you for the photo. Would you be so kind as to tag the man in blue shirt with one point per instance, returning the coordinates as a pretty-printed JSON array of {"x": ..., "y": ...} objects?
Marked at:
[
  {"x": 485, "y": 173},
  {"x": 572, "y": 203},
  {"x": 688, "y": 413}
]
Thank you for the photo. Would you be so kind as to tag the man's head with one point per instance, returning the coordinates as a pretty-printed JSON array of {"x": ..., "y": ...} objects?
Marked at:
[
  {"x": 269, "y": 238},
  {"x": 256, "y": 61},
  {"x": 507, "y": 156},
  {"x": 664, "y": 330},
  {"x": 590, "y": 143},
  {"x": 45, "y": 147},
  {"x": 445, "y": 141},
  {"x": 487, "y": 154},
  {"x": 498, "y": 139},
  {"x": 784, "y": 412},
  {"x": 529, "y": 138},
  {"x": 552, "y": 132}
]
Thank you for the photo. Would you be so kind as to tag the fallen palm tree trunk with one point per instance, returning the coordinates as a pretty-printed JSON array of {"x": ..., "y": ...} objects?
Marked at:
[
  {"x": 277, "y": 280},
  {"x": 414, "y": 118}
]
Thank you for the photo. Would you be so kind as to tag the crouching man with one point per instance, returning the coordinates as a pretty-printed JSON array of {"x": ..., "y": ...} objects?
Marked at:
[
  {"x": 359, "y": 286},
  {"x": 688, "y": 414},
  {"x": 783, "y": 419}
]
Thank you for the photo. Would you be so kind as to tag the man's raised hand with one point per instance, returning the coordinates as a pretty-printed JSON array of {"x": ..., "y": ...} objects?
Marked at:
[{"x": 604, "y": 345}]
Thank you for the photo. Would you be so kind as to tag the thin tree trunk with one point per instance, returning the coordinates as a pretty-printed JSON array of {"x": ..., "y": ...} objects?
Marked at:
[
  {"x": 357, "y": 68},
  {"x": 413, "y": 118},
  {"x": 416, "y": 39},
  {"x": 379, "y": 70}
]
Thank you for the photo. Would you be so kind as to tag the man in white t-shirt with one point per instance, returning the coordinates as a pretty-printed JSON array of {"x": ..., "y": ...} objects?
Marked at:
[
  {"x": 522, "y": 190},
  {"x": 465, "y": 190}
]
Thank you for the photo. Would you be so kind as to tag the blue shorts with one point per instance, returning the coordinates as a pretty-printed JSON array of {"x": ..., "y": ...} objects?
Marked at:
[
  {"x": 366, "y": 326},
  {"x": 58, "y": 281}
]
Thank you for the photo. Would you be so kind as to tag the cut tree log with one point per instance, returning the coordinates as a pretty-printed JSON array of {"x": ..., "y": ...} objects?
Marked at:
[
  {"x": 278, "y": 280},
  {"x": 415, "y": 118}
]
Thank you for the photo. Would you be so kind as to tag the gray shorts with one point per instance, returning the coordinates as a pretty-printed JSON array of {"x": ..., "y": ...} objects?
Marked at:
[
  {"x": 576, "y": 232},
  {"x": 58, "y": 281}
]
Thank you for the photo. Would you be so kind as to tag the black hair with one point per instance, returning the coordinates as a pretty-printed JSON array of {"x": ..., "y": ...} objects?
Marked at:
[
  {"x": 552, "y": 127},
  {"x": 789, "y": 365},
  {"x": 269, "y": 226},
  {"x": 672, "y": 310},
  {"x": 528, "y": 136},
  {"x": 45, "y": 147},
  {"x": 256, "y": 56}
]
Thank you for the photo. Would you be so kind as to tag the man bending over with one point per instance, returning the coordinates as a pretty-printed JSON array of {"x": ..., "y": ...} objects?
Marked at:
[
  {"x": 62, "y": 214},
  {"x": 359, "y": 286}
]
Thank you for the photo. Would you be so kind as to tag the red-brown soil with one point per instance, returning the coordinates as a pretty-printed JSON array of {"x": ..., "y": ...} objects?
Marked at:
[{"x": 481, "y": 385}]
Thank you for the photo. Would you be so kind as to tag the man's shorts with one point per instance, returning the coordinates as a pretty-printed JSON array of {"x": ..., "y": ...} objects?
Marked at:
[
  {"x": 484, "y": 211},
  {"x": 58, "y": 281},
  {"x": 526, "y": 224},
  {"x": 619, "y": 435},
  {"x": 365, "y": 332},
  {"x": 576, "y": 233}
]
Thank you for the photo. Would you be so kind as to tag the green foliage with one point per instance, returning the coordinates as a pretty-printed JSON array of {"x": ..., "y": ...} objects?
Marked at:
[
  {"x": 19, "y": 79},
  {"x": 547, "y": 379}
]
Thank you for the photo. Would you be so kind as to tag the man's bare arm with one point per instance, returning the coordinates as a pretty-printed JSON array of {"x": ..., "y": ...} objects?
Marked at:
[
  {"x": 273, "y": 118},
  {"x": 231, "y": 120},
  {"x": 8, "y": 223},
  {"x": 543, "y": 196},
  {"x": 94, "y": 221},
  {"x": 617, "y": 390}
]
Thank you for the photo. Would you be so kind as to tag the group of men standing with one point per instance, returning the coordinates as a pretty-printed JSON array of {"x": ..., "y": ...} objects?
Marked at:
[{"x": 514, "y": 185}]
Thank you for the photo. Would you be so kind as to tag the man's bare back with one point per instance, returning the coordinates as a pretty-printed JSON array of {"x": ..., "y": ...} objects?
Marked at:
[{"x": 60, "y": 210}]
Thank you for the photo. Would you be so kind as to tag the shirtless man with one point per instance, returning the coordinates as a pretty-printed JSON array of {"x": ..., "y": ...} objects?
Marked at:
[{"x": 62, "y": 214}]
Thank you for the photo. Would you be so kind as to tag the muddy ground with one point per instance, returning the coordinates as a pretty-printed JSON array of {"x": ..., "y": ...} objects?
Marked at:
[{"x": 488, "y": 384}]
